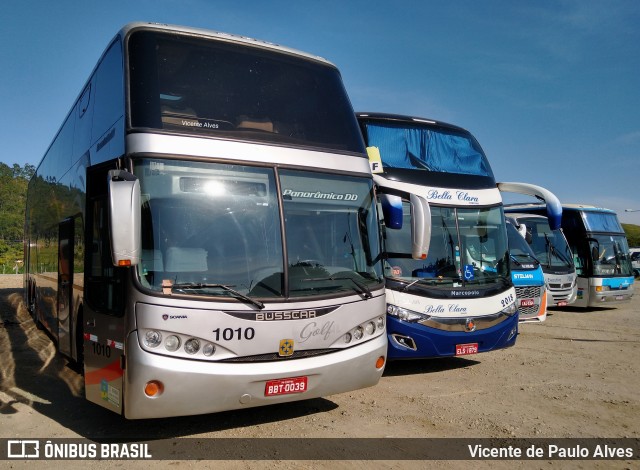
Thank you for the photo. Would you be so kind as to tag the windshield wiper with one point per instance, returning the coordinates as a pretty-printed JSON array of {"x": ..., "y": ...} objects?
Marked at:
[
  {"x": 553, "y": 251},
  {"x": 364, "y": 290},
  {"x": 200, "y": 285},
  {"x": 431, "y": 281},
  {"x": 406, "y": 288}
]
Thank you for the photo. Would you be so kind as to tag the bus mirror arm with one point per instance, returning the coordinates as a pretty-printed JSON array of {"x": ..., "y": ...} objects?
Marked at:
[
  {"x": 554, "y": 207},
  {"x": 420, "y": 226},
  {"x": 124, "y": 218}
]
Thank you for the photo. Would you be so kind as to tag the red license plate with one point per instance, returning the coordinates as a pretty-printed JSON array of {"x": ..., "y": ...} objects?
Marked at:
[
  {"x": 469, "y": 348},
  {"x": 285, "y": 386},
  {"x": 562, "y": 303},
  {"x": 527, "y": 303}
]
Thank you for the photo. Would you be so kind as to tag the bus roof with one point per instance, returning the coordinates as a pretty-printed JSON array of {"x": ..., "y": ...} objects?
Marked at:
[
  {"x": 199, "y": 32},
  {"x": 586, "y": 207},
  {"x": 409, "y": 119},
  {"x": 228, "y": 37},
  {"x": 565, "y": 206},
  {"x": 517, "y": 215}
]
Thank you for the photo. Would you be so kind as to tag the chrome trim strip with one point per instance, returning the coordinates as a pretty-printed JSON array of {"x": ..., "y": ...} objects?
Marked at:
[
  {"x": 242, "y": 152},
  {"x": 459, "y": 324}
]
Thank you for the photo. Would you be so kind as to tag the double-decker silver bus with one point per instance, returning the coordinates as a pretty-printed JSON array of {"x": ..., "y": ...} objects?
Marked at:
[{"x": 202, "y": 233}]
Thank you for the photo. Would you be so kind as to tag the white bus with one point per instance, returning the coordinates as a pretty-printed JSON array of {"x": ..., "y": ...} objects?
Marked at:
[{"x": 202, "y": 233}]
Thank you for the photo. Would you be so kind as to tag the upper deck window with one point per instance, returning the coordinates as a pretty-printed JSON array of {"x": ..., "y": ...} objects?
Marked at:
[
  {"x": 214, "y": 88},
  {"x": 429, "y": 148}
]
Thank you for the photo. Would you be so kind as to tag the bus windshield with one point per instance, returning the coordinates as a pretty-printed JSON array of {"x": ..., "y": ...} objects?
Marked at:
[
  {"x": 220, "y": 89},
  {"x": 610, "y": 255},
  {"x": 519, "y": 250},
  {"x": 549, "y": 246},
  {"x": 468, "y": 248},
  {"x": 216, "y": 229}
]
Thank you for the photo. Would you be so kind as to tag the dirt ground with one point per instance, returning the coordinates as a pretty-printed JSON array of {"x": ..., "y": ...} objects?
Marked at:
[{"x": 577, "y": 375}]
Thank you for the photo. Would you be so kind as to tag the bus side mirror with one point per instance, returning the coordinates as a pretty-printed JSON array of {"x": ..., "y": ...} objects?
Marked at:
[
  {"x": 420, "y": 227},
  {"x": 526, "y": 234},
  {"x": 124, "y": 218},
  {"x": 391, "y": 210}
]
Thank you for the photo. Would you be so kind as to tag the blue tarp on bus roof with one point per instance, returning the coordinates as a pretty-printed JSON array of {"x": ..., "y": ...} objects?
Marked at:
[{"x": 428, "y": 149}]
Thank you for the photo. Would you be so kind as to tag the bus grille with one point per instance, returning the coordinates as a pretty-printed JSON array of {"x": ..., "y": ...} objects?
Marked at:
[
  {"x": 270, "y": 357},
  {"x": 560, "y": 286},
  {"x": 529, "y": 292},
  {"x": 560, "y": 292}
]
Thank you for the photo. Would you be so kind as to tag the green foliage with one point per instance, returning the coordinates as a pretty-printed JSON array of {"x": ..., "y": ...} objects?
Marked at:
[
  {"x": 13, "y": 193},
  {"x": 633, "y": 234}
]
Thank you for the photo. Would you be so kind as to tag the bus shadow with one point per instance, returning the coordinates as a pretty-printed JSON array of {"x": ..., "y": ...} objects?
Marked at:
[
  {"x": 32, "y": 373},
  {"x": 570, "y": 309},
  {"x": 426, "y": 366}
]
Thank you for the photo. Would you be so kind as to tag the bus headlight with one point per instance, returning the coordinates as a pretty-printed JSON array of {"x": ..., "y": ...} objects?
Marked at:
[
  {"x": 192, "y": 346},
  {"x": 405, "y": 314},
  {"x": 358, "y": 333},
  {"x": 152, "y": 338},
  {"x": 364, "y": 331},
  {"x": 178, "y": 345},
  {"x": 510, "y": 309},
  {"x": 369, "y": 328},
  {"x": 172, "y": 343},
  {"x": 208, "y": 349}
]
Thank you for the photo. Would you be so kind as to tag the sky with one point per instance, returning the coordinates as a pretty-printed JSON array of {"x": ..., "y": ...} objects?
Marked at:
[{"x": 551, "y": 89}]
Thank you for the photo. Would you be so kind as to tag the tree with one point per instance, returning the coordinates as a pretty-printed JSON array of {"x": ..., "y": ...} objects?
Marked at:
[{"x": 14, "y": 181}]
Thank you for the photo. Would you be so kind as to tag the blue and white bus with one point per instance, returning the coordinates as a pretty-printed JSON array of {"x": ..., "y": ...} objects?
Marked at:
[
  {"x": 457, "y": 298},
  {"x": 600, "y": 253},
  {"x": 527, "y": 277}
]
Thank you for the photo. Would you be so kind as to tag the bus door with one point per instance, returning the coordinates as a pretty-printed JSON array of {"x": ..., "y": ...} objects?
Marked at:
[
  {"x": 65, "y": 284},
  {"x": 104, "y": 306}
]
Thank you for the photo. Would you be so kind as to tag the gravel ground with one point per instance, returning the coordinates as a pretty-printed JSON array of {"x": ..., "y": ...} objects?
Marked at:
[{"x": 574, "y": 376}]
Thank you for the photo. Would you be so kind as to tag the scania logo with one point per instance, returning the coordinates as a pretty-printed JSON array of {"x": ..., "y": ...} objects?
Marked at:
[
  {"x": 470, "y": 325},
  {"x": 173, "y": 317}
]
